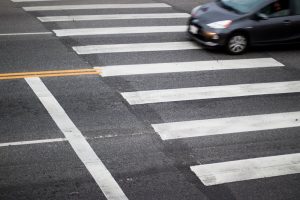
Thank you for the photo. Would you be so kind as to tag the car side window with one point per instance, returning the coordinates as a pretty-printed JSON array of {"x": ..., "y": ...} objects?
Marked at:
[
  {"x": 279, "y": 8},
  {"x": 296, "y": 6}
]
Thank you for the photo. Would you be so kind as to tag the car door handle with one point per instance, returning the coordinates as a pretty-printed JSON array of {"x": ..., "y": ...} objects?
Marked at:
[{"x": 287, "y": 22}]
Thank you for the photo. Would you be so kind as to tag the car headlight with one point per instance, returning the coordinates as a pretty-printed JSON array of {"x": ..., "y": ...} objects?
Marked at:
[
  {"x": 195, "y": 10},
  {"x": 220, "y": 24}
]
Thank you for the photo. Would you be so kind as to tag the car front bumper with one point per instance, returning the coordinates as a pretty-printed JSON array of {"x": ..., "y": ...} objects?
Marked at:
[
  {"x": 202, "y": 42},
  {"x": 205, "y": 36}
]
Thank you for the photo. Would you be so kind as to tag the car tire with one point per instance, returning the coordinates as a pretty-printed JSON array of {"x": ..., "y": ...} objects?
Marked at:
[{"x": 237, "y": 44}]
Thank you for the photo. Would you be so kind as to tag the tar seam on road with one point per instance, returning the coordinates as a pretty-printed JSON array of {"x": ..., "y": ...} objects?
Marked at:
[
  {"x": 56, "y": 73},
  {"x": 24, "y": 34},
  {"x": 84, "y": 151}
]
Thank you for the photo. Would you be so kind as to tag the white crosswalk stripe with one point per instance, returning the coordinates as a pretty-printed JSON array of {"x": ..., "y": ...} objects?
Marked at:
[
  {"x": 199, "y": 93},
  {"x": 20, "y": 1},
  {"x": 73, "y": 18},
  {"x": 95, "y": 6},
  {"x": 209, "y": 174},
  {"x": 26, "y": 34},
  {"x": 138, "y": 47},
  {"x": 255, "y": 168},
  {"x": 200, "y": 128},
  {"x": 123, "y": 70},
  {"x": 119, "y": 30}
]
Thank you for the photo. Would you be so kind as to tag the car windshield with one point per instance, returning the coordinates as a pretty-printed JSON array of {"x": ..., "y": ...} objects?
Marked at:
[{"x": 242, "y": 6}]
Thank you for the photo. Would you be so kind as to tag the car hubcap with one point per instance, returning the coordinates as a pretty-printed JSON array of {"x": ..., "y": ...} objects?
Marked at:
[{"x": 237, "y": 44}]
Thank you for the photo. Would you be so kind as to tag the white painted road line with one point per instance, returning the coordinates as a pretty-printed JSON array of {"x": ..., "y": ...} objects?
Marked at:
[
  {"x": 19, "y": 1},
  {"x": 84, "y": 151},
  {"x": 220, "y": 126},
  {"x": 96, "y": 6},
  {"x": 24, "y": 34},
  {"x": 249, "y": 169},
  {"x": 119, "y": 30},
  {"x": 113, "y": 17},
  {"x": 123, "y": 70},
  {"x": 136, "y": 47},
  {"x": 211, "y": 92},
  {"x": 32, "y": 142}
]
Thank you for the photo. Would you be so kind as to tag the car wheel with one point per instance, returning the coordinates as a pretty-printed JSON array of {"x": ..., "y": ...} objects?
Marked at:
[{"x": 237, "y": 44}]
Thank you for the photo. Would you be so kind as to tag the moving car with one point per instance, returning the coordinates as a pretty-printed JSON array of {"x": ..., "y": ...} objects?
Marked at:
[{"x": 238, "y": 24}]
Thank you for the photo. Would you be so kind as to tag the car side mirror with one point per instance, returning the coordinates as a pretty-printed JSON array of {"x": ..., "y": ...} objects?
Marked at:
[{"x": 261, "y": 16}]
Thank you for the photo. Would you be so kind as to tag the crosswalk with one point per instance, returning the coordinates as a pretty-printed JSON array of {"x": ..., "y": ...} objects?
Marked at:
[
  {"x": 119, "y": 30},
  {"x": 211, "y": 92},
  {"x": 179, "y": 67},
  {"x": 74, "y": 18},
  {"x": 21, "y": 1},
  {"x": 95, "y": 6},
  {"x": 209, "y": 174},
  {"x": 138, "y": 47},
  {"x": 200, "y": 128},
  {"x": 218, "y": 173}
]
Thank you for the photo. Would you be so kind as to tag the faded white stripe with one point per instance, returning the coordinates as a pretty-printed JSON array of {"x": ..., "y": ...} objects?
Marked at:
[
  {"x": 119, "y": 30},
  {"x": 32, "y": 142},
  {"x": 123, "y": 70},
  {"x": 24, "y": 34},
  {"x": 96, "y": 6},
  {"x": 138, "y": 47},
  {"x": 112, "y": 17},
  {"x": 249, "y": 169},
  {"x": 198, "y": 93},
  {"x": 19, "y": 1},
  {"x": 200, "y": 128},
  {"x": 102, "y": 176}
]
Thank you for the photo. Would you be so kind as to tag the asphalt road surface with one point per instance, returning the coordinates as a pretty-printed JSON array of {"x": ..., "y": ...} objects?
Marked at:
[{"x": 108, "y": 99}]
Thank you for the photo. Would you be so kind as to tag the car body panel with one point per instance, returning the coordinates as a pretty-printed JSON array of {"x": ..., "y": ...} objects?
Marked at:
[{"x": 275, "y": 30}]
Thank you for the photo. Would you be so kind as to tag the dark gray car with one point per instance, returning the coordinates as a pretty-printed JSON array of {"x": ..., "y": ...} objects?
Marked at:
[{"x": 237, "y": 24}]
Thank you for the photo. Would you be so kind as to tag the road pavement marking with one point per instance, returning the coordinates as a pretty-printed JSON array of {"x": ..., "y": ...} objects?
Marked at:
[
  {"x": 96, "y": 6},
  {"x": 32, "y": 142},
  {"x": 123, "y": 70},
  {"x": 113, "y": 17},
  {"x": 55, "y": 140},
  {"x": 211, "y": 92},
  {"x": 200, "y": 128},
  {"x": 119, "y": 30},
  {"x": 24, "y": 34},
  {"x": 136, "y": 47},
  {"x": 84, "y": 151},
  {"x": 249, "y": 169},
  {"x": 19, "y": 1},
  {"x": 57, "y": 73}
]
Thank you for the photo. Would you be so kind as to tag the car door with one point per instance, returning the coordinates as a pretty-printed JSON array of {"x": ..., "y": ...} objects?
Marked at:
[
  {"x": 295, "y": 19},
  {"x": 274, "y": 25}
]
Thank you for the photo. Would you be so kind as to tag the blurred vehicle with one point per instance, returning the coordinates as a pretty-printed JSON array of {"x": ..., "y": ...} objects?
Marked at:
[{"x": 238, "y": 24}]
